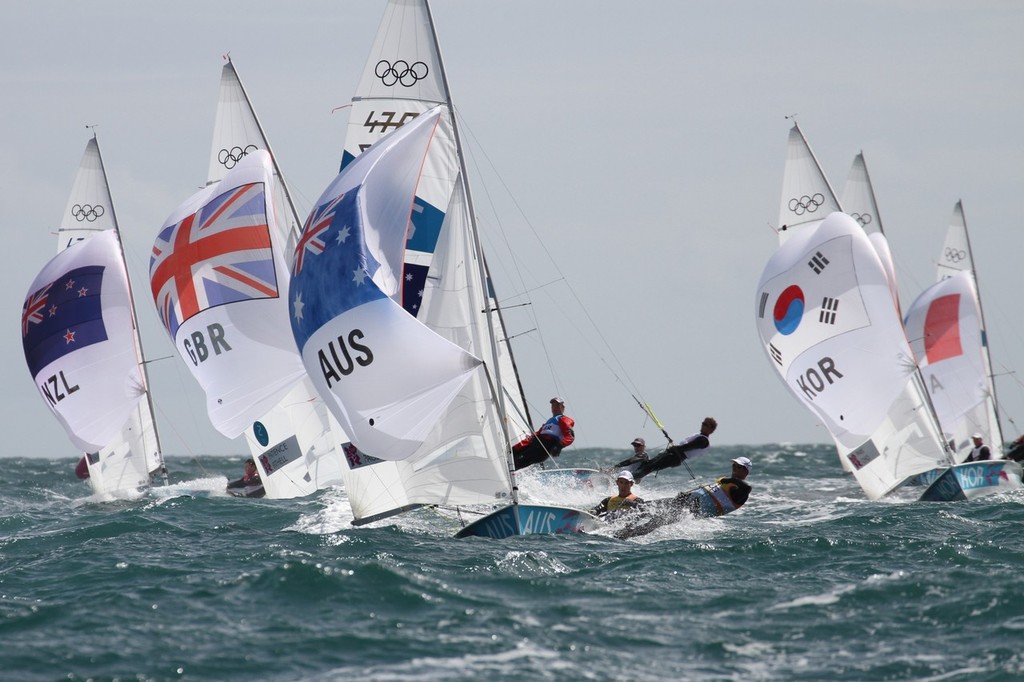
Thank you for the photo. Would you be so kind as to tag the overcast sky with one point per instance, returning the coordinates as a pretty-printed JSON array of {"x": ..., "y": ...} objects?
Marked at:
[{"x": 643, "y": 143}]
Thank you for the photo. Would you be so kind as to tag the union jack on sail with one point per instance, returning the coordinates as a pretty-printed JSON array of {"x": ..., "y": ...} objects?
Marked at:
[{"x": 220, "y": 254}]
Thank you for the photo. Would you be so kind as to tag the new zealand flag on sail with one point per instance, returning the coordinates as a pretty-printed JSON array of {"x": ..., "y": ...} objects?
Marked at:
[
  {"x": 332, "y": 267},
  {"x": 62, "y": 317},
  {"x": 220, "y": 254}
]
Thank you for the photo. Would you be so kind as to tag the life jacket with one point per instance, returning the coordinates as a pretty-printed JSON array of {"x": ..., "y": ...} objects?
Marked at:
[
  {"x": 616, "y": 502},
  {"x": 559, "y": 427}
]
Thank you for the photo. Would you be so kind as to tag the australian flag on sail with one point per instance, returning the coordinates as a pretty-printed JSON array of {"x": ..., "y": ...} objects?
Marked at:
[
  {"x": 332, "y": 267},
  {"x": 63, "y": 316},
  {"x": 220, "y": 254}
]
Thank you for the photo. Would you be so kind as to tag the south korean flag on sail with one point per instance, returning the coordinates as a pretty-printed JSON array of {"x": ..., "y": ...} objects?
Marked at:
[
  {"x": 827, "y": 320},
  {"x": 384, "y": 375}
]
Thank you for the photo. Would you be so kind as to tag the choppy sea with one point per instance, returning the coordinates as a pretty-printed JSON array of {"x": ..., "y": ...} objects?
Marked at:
[{"x": 808, "y": 581}]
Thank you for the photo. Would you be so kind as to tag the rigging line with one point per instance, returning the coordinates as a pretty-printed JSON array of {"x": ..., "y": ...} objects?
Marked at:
[{"x": 562, "y": 277}]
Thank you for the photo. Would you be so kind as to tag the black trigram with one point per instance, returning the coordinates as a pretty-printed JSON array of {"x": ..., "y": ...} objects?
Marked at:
[
  {"x": 818, "y": 262},
  {"x": 829, "y": 306},
  {"x": 776, "y": 353}
]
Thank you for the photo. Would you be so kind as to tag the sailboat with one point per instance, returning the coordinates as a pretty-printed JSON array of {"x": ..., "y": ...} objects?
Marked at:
[
  {"x": 219, "y": 278},
  {"x": 956, "y": 257},
  {"x": 807, "y": 198},
  {"x": 947, "y": 331},
  {"x": 421, "y": 393},
  {"x": 81, "y": 341},
  {"x": 403, "y": 78}
]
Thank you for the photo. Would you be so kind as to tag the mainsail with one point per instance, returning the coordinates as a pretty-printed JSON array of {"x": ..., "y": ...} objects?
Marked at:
[
  {"x": 956, "y": 256},
  {"x": 81, "y": 340},
  {"x": 807, "y": 196},
  {"x": 858, "y": 201},
  {"x": 403, "y": 78},
  {"x": 827, "y": 322}
]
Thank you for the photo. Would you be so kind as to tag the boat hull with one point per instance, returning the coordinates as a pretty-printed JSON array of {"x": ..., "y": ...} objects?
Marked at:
[
  {"x": 530, "y": 519},
  {"x": 970, "y": 480}
]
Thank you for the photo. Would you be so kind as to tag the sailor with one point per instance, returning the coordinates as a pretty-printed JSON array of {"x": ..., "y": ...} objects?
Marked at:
[
  {"x": 624, "y": 499},
  {"x": 251, "y": 481},
  {"x": 555, "y": 434},
  {"x": 693, "y": 447},
  {"x": 639, "y": 456},
  {"x": 980, "y": 452},
  {"x": 728, "y": 494}
]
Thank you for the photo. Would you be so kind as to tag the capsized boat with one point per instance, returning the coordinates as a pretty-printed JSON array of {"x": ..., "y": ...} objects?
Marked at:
[{"x": 81, "y": 341}]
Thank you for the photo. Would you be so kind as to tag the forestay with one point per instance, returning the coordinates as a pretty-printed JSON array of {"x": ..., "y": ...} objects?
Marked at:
[{"x": 827, "y": 322}]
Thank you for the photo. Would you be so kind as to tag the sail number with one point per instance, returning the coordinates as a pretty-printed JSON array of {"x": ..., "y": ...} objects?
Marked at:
[
  {"x": 817, "y": 379},
  {"x": 56, "y": 388},
  {"x": 340, "y": 357},
  {"x": 198, "y": 346}
]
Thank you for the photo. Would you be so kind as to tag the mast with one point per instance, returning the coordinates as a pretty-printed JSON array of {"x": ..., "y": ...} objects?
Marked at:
[
  {"x": 139, "y": 351},
  {"x": 478, "y": 248}
]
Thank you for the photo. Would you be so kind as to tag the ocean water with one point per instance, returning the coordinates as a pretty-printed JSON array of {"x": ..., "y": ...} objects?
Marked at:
[{"x": 808, "y": 581}]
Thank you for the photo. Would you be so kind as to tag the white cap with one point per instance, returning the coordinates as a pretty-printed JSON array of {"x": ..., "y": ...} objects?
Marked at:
[
  {"x": 743, "y": 462},
  {"x": 976, "y": 435},
  {"x": 626, "y": 474}
]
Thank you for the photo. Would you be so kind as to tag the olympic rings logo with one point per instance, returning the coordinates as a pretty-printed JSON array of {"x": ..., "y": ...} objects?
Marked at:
[
  {"x": 955, "y": 255},
  {"x": 806, "y": 204},
  {"x": 401, "y": 72},
  {"x": 863, "y": 218},
  {"x": 229, "y": 158},
  {"x": 86, "y": 212}
]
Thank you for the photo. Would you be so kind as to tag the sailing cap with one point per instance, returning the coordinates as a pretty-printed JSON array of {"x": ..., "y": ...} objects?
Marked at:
[
  {"x": 558, "y": 400},
  {"x": 639, "y": 441},
  {"x": 976, "y": 435},
  {"x": 743, "y": 462},
  {"x": 626, "y": 474}
]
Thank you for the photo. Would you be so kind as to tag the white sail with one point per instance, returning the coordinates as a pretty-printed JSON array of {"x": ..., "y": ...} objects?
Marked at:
[
  {"x": 827, "y": 322},
  {"x": 78, "y": 333},
  {"x": 942, "y": 324},
  {"x": 404, "y": 77},
  {"x": 858, "y": 198},
  {"x": 807, "y": 196},
  {"x": 289, "y": 438},
  {"x": 134, "y": 454},
  {"x": 956, "y": 256},
  {"x": 858, "y": 201},
  {"x": 400, "y": 389}
]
